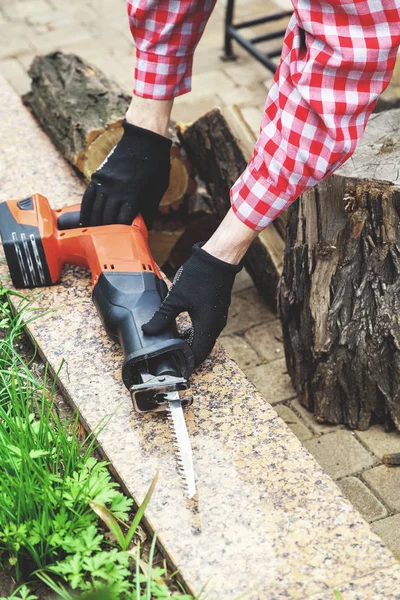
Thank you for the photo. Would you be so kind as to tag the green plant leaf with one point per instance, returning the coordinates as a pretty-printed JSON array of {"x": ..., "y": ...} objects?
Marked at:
[
  {"x": 150, "y": 567},
  {"x": 137, "y": 572},
  {"x": 38, "y": 453},
  {"x": 109, "y": 520},
  {"x": 120, "y": 506},
  {"x": 140, "y": 513},
  {"x": 57, "y": 588}
]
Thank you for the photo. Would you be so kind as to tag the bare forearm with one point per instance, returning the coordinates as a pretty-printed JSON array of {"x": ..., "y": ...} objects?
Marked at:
[
  {"x": 231, "y": 240},
  {"x": 150, "y": 114}
]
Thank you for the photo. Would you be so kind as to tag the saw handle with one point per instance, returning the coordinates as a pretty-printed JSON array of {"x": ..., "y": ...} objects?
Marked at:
[
  {"x": 124, "y": 302},
  {"x": 69, "y": 220}
]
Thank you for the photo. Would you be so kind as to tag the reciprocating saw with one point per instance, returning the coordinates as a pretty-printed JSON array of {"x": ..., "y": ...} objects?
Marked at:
[{"x": 127, "y": 289}]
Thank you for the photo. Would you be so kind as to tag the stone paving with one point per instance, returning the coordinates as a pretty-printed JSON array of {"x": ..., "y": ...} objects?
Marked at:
[
  {"x": 352, "y": 459},
  {"x": 97, "y": 30}
]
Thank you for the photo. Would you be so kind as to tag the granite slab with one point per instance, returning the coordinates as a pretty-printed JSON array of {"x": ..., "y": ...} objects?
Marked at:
[
  {"x": 267, "y": 520},
  {"x": 378, "y": 585}
]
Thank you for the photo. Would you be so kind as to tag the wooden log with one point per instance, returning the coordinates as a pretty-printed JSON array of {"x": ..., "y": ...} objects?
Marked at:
[
  {"x": 82, "y": 111},
  {"x": 79, "y": 108},
  {"x": 339, "y": 297},
  {"x": 219, "y": 145}
]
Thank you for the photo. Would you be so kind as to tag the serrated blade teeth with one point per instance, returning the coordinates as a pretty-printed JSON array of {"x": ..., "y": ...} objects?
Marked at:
[{"x": 181, "y": 443}]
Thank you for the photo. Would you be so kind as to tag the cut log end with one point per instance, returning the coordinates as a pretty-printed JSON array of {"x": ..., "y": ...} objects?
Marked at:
[{"x": 100, "y": 144}]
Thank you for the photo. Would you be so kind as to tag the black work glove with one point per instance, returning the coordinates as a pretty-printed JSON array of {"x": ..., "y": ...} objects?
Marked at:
[
  {"x": 202, "y": 287},
  {"x": 132, "y": 180}
]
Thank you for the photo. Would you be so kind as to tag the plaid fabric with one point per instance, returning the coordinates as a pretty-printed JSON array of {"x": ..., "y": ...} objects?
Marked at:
[
  {"x": 338, "y": 57},
  {"x": 166, "y": 34}
]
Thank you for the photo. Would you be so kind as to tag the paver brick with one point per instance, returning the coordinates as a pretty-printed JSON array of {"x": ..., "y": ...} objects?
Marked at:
[
  {"x": 240, "y": 351},
  {"x": 244, "y": 96},
  {"x": 267, "y": 83},
  {"x": 25, "y": 61},
  {"x": 250, "y": 10},
  {"x": 389, "y": 531},
  {"x": 315, "y": 426},
  {"x": 245, "y": 72},
  {"x": 379, "y": 441},
  {"x": 396, "y": 73},
  {"x": 363, "y": 499},
  {"x": 56, "y": 39},
  {"x": 267, "y": 340},
  {"x": 10, "y": 30},
  {"x": 204, "y": 60},
  {"x": 294, "y": 422},
  {"x": 213, "y": 37},
  {"x": 284, "y": 4},
  {"x": 111, "y": 33},
  {"x": 106, "y": 7},
  {"x": 186, "y": 110},
  {"x": 113, "y": 69},
  {"x": 18, "y": 11},
  {"x": 14, "y": 48},
  {"x": 69, "y": 15},
  {"x": 87, "y": 49},
  {"x": 339, "y": 453},
  {"x": 13, "y": 39},
  {"x": 385, "y": 483},
  {"x": 247, "y": 309},
  {"x": 272, "y": 381},
  {"x": 212, "y": 82},
  {"x": 14, "y": 72}
]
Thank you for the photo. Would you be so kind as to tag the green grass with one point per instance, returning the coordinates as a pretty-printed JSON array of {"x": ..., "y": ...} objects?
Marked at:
[
  {"x": 63, "y": 520},
  {"x": 47, "y": 474}
]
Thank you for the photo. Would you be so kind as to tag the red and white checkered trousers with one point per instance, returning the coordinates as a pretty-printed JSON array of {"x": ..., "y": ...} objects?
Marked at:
[
  {"x": 338, "y": 57},
  {"x": 166, "y": 33}
]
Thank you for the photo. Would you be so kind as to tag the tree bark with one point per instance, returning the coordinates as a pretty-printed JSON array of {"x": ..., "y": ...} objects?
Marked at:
[
  {"x": 339, "y": 297},
  {"x": 219, "y": 145}
]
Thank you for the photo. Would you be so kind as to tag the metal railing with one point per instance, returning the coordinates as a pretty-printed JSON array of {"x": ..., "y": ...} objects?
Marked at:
[{"x": 249, "y": 44}]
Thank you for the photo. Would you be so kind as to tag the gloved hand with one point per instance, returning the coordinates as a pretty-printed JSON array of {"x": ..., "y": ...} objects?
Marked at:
[
  {"x": 132, "y": 180},
  {"x": 202, "y": 287}
]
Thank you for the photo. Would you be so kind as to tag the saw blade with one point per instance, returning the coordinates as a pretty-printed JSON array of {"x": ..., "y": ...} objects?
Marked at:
[{"x": 182, "y": 442}]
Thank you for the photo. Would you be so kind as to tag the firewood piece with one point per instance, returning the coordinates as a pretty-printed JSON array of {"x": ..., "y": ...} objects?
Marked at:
[
  {"x": 78, "y": 107},
  {"x": 82, "y": 112},
  {"x": 179, "y": 181},
  {"x": 198, "y": 230},
  {"x": 339, "y": 295},
  {"x": 219, "y": 145}
]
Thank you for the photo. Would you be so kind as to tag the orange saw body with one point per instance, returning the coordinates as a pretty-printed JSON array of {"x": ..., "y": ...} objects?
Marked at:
[{"x": 127, "y": 287}]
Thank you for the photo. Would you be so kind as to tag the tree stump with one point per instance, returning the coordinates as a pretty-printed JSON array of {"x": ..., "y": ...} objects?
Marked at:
[
  {"x": 219, "y": 145},
  {"x": 339, "y": 298}
]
